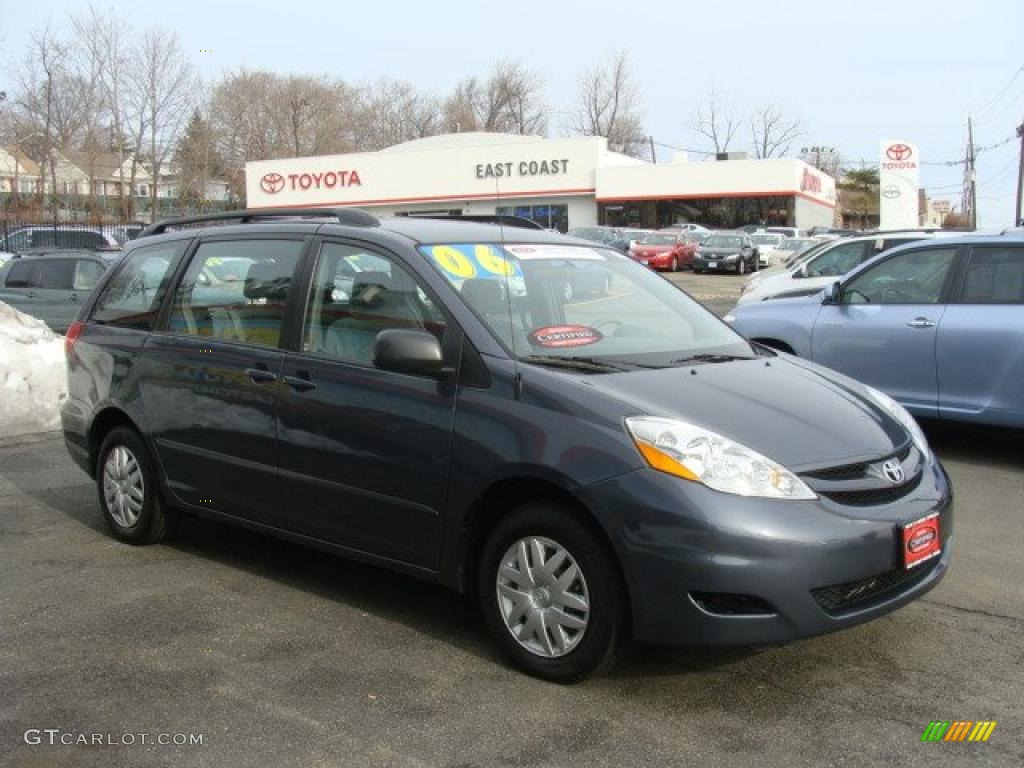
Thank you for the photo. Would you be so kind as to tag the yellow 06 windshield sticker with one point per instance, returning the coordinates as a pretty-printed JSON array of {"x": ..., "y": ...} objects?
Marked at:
[{"x": 462, "y": 262}]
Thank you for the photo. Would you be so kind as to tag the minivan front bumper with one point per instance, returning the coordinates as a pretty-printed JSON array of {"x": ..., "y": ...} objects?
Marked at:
[{"x": 708, "y": 568}]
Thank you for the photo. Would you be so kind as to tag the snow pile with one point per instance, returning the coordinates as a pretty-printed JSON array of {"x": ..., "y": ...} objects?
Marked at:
[{"x": 33, "y": 377}]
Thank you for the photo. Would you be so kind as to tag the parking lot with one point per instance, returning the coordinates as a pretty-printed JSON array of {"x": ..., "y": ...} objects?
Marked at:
[{"x": 278, "y": 655}]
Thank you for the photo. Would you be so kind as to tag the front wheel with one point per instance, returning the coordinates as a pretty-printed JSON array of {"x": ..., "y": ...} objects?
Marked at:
[
  {"x": 128, "y": 492},
  {"x": 550, "y": 593},
  {"x": 675, "y": 263},
  {"x": 741, "y": 268}
]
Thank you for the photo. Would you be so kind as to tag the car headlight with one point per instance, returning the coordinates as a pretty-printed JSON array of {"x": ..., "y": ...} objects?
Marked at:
[
  {"x": 700, "y": 455},
  {"x": 729, "y": 318},
  {"x": 731, "y": 256},
  {"x": 902, "y": 415}
]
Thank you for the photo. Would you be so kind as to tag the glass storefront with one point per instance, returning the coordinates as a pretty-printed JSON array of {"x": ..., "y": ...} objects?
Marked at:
[
  {"x": 548, "y": 216},
  {"x": 715, "y": 212}
]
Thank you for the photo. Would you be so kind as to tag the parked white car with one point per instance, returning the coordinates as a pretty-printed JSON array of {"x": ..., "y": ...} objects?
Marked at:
[
  {"x": 768, "y": 245},
  {"x": 810, "y": 276}
]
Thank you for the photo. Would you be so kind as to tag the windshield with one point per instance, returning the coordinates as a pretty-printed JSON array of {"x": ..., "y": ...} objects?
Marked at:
[
  {"x": 766, "y": 239},
  {"x": 795, "y": 244},
  {"x": 659, "y": 240},
  {"x": 633, "y": 235},
  {"x": 586, "y": 306},
  {"x": 723, "y": 241}
]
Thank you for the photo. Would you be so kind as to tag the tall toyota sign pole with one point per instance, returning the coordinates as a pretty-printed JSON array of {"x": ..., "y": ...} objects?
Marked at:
[{"x": 898, "y": 184}]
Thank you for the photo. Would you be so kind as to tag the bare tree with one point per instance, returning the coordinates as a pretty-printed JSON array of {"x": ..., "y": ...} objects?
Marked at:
[
  {"x": 608, "y": 103},
  {"x": 101, "y": 38},
  {"x": 715, "y": 120},
  {"x": 510, "y": 100},
  {"x": 394, "y": 111},
  {"x": 773, "y": 131},
  {"x": 169, "y": 89},
  {"x": 42, "y": 79}
]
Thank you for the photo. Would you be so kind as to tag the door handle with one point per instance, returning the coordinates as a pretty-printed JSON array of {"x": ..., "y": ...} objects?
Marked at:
[
  {"x": 260, "y": 375},
  {"x": 921, "y": 322},
  {"x": 300, "y": 382}
]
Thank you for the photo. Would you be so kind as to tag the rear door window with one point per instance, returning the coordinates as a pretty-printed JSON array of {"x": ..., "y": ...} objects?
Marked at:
[
  {"x": 132, "y": 297},
  {"x": 838, "y": 260},
  {"x": 56, "y": 274},
  {"x": 995, "y": 275},
  {"x": 236, "y": 291}
]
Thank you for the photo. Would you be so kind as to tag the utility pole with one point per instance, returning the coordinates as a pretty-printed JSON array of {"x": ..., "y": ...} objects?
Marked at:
[
  {"x": 1018, "y": 213},
  {"x": 654, "y": 157},
  {"x": 970, "y": 196}
]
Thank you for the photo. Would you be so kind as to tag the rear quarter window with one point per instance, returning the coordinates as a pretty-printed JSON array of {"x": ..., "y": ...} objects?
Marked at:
[{"x": 133, "y": 296}]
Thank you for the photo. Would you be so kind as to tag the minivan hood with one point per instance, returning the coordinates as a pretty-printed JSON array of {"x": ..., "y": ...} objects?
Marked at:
[{"x": 797, "y": 413}]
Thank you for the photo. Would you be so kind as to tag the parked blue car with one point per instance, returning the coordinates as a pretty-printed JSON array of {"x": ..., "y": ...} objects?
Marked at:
[{"x": 937, "y": 325}]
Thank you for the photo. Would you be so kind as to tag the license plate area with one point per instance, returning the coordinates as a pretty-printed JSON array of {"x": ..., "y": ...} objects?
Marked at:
[
  {"x": 713, "y": 265},
  {"x": 921, "y": 541}
]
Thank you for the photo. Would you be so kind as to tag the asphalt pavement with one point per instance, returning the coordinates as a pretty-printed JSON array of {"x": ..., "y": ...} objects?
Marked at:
[{"x": 276, "y": 655}]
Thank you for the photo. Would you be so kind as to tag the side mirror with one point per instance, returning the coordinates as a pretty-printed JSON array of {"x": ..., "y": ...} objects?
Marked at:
[
  {"x": 833, "y": 294},
  {"x": 417, "y": 353}
]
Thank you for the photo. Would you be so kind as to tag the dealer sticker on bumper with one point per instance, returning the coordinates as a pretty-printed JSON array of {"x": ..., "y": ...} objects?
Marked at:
[{"x": 921, "y": 540}]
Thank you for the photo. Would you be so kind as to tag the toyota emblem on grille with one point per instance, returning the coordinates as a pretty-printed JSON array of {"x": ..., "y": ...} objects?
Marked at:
[{"x": 893, "y": 471}]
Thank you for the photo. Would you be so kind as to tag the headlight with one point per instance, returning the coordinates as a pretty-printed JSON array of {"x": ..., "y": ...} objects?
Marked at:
[
  {"x": 729, "y": 318},
  {"x": 731, "y": 256},
  {"x": 693, "y": 453},
  {"x": 902, "y": 415}
]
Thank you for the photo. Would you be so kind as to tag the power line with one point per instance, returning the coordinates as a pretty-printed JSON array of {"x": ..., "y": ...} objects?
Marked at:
[{"x": 981, "y": 111}]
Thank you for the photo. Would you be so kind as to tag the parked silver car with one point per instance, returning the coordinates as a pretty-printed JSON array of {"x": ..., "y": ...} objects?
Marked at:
[{"x": 937, "y": 324}]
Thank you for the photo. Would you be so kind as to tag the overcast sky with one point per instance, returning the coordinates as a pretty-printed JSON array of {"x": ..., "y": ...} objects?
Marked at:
[{"x": 855, "y": 73}]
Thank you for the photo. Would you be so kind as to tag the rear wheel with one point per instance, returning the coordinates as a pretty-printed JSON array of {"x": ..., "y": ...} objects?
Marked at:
[
  {"x": 550, "y": 593},
  {"x": 127, "y": 487}
]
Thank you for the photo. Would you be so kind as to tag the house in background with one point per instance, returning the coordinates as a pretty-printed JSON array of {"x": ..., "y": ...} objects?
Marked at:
[
  {"x": 169, "y": 186},
  {"x": 17, "y": 172},
  {"x": 103, "y": 172}
]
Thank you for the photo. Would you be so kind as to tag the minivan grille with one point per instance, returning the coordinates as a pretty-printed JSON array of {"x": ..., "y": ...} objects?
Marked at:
[
  {"x": 862, "y": 593},
  {"x": 874, "y": 496}
]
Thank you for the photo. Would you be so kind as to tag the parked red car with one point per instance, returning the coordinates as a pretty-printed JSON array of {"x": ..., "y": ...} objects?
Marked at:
[{"x": 664, "y": 250}]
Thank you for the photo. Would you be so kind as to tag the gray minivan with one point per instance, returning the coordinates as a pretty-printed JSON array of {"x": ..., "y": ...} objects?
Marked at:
[{"x": 585, "y": 468}]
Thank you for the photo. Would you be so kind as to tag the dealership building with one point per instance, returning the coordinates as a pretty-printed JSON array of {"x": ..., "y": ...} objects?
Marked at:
[{"x": 559, "y": 183}]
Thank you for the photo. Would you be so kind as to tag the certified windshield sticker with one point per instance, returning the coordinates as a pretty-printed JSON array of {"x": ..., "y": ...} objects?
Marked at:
[
  {"x": 560, "y": 336},
  {"x": 462, "y": 262},
  {"x": 548, "y": 251}
]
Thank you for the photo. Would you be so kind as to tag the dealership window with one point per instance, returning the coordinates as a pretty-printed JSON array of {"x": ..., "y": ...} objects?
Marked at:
[{"x": 548, "y": 216}]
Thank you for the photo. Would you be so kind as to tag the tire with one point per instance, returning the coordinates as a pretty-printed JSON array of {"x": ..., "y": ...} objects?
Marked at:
[
  {"x": 595, "y": 596},
  {"x": 741, "y": 267},
  {"x": 567, "y": 292},
  {"x": 675, "y": 264},
  {"x": 124, "y": 472}
]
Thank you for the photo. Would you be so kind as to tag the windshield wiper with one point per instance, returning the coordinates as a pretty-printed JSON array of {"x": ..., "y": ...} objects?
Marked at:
[
  {"x": 586, "y": 364},
  {"x": 709, "y": 357}
]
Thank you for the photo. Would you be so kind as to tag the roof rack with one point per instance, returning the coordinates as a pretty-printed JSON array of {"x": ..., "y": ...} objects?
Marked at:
[
  {"x": 353, "y": 217},
  {"x": 481, "y": 218}
]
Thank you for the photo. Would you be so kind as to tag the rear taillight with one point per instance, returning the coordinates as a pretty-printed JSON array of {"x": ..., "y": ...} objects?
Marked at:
[{"x": 74, "y": 331}]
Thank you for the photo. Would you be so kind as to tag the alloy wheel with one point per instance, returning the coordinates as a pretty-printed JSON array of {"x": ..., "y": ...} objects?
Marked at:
[{"x": 542, "y": 596}]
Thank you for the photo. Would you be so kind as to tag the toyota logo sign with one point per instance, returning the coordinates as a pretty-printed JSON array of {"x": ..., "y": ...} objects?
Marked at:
[
  {"x": 898, "y": 152},
  {"x": 893, "y": 471},
  {"x": 891, "y": 192},
  {"x": 272, "y": 183}
]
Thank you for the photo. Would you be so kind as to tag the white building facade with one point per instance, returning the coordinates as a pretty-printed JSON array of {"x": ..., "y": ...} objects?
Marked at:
[{"x": 560, "y": 183}]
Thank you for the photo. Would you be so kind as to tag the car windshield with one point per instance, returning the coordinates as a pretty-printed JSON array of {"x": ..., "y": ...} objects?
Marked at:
[
  {"x": 766, "y": 239},
  {"x": 723, "y": 241},
  {"x": 581, "y": 307},
  {"x": 633, "y": 235},
  {"x": 795, "y": 244},
  {"x": 659, "y": 240}
]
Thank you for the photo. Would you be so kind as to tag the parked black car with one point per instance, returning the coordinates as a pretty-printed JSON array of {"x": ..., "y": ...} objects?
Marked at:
[
  {"x": 585, "y": 469},
  {"x": 610, "y": 236},
  {"x": 731, "y": 250}
]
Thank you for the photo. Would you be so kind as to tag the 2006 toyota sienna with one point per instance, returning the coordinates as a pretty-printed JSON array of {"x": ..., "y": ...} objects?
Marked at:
[{"x": 425, "y": 395}]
